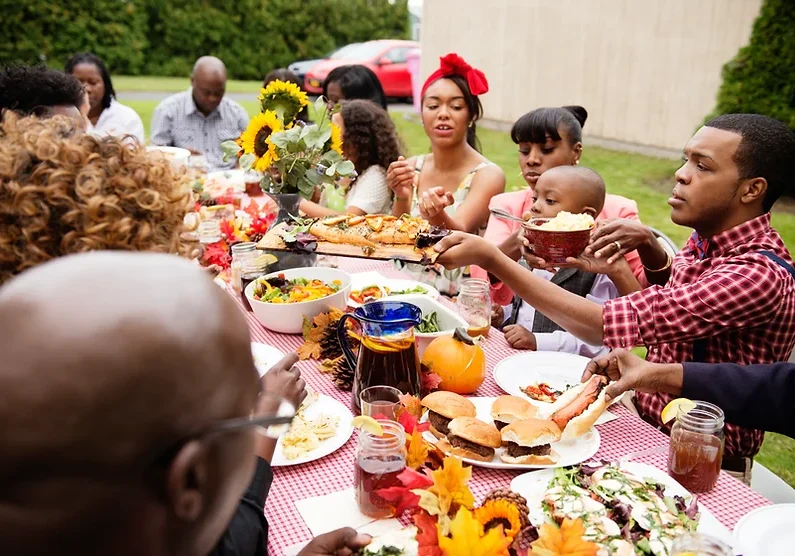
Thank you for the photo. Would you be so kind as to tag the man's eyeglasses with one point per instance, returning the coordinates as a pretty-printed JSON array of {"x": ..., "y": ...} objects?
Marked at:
[{"x": 272, "y": 424}]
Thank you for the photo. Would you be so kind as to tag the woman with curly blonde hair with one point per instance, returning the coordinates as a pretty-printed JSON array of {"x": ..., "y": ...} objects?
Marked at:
[{"x": 62, "y": 192}]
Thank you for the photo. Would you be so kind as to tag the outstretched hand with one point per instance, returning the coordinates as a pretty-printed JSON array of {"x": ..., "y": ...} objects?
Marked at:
[
  {"x": 340, "y": 542},
  {"x": 627, "y": 371},
  {"x": 460, "y": 249}
]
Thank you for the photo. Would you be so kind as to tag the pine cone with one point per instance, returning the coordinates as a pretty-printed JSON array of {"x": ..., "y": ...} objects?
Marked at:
[
  {"x": 329, "y": 344},
  {"x": 514, "y": 498},
  {"x": 341, "y": 373}
]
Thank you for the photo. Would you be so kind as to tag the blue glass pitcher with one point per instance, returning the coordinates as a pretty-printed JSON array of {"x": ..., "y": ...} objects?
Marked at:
[{"x": 388, "y": 354}]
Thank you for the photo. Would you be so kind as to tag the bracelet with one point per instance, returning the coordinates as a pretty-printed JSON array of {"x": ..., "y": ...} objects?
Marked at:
[{"x": 666, "y": 266}]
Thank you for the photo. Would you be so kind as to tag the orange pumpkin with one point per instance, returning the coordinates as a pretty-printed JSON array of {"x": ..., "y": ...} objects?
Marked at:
[{"x": 458, "y": 360}]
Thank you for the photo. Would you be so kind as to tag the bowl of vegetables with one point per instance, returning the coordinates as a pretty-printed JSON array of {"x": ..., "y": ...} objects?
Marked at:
[
  {"x": 281, "y": 300},
  {"x": 437, "y": 319}
]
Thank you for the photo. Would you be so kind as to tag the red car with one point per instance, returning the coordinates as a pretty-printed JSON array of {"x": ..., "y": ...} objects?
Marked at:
[{"x": 387, "y": 58}]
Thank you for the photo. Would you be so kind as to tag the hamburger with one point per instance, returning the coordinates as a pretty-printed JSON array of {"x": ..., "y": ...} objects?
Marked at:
[
  {"x": 528, "y": 442},
  {"x": 444, "y": 407},
  {"x": 507, "y": 409},
  {"x": 471, "y": 438}
]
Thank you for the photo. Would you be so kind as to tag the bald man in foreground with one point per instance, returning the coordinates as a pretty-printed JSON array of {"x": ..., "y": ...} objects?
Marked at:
[
  {"x": 117, "y": 370},
  {"x": 201, "y": 118}
]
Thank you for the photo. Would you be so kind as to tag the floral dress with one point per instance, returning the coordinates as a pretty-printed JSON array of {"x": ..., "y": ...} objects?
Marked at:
[{"x": 446, "y": 281}]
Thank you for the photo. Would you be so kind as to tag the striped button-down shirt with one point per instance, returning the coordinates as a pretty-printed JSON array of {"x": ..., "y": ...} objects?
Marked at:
[
  {"x": 737, "y": 299},
  {"x": 177, "y": 122}
]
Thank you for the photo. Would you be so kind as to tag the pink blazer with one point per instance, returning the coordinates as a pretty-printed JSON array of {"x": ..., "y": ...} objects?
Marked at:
[{"x": 519, "y": 202}]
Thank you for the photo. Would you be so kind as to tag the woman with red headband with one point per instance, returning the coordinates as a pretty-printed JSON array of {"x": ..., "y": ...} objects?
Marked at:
[{"x": 452, "y": 186}]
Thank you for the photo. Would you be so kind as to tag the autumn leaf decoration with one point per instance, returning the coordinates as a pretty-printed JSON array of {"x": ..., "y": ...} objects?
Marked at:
[
  {"x": 467, "y": 538},
  {"x": 313, "y": 332},
  {"x": 405, "y": 497},
  {"x": 427, "y": 536},
  {"x": 564, "y": 541}
]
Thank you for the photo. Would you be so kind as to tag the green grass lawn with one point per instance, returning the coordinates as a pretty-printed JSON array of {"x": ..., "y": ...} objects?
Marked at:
[
  {"x": 175, "y": 84},
  {"x": 646, "y": 180}
]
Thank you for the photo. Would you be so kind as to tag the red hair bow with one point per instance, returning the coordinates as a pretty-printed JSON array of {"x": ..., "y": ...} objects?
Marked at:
[{"x": 453, "y": 64}]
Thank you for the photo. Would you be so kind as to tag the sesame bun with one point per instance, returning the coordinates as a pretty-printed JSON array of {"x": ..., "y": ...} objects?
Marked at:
[
  {"x": 531, "y": 432},
  {"x": 511, "y": 408},
  {"x": 449, "y": 404},
  {"x": 476, "y": 431}
]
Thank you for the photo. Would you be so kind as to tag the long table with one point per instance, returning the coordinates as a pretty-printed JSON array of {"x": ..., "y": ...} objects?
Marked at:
[{"x": 728, "y": 501}]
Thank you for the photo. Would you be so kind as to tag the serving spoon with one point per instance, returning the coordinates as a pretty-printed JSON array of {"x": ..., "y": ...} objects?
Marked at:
[{"x": 504, "y": 215}]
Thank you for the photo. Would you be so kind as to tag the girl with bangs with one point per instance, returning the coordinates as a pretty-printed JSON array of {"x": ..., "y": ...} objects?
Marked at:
[{"x": 547, "y": 138}]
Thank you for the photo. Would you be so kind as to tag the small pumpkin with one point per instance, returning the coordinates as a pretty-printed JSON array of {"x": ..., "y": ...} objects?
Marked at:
[{"x": 458, "y": 361}]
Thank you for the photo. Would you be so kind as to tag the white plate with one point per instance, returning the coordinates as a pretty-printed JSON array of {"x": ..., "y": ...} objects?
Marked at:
[
  {"x": 768, "y": 530},
  {"x": 265, "y": 356},
  {"x": 571, "y": 452},
  {"x": 533, "y": 485},
  {"x": 559, "y": 370},
  {"x": 363, "y": 280},
  {"x": 328, "y": 406}
]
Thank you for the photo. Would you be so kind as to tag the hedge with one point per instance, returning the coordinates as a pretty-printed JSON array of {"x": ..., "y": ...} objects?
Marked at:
[
  {"x": 761, "y": 78},
  {"x": 164, "y": 37}
]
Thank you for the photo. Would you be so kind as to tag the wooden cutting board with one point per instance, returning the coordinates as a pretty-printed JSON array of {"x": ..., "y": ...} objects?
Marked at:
[{"x": 273, "y": 241}]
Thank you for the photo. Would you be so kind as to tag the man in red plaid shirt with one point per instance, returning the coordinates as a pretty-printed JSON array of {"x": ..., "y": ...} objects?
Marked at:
[{"x": 728, "y": 295}]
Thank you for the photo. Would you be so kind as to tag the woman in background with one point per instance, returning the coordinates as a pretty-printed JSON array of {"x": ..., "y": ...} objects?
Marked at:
[
  {"x": 352, "y": 83},
  {"x": 106, "y": 115},
  {"x": 452, "y": 186},
  {"x": 370, "y": 141},
  {"x": 285, "y": 75}
]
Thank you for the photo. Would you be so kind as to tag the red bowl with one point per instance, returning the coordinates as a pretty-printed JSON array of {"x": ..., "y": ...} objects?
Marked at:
[{"x": 555, "y": 246}]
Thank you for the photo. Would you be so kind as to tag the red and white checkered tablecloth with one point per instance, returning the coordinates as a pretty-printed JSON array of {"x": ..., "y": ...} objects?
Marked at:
[{"x": 728, "y": 501}]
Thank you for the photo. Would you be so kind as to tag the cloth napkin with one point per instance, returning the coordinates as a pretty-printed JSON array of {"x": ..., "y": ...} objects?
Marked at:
[
  {"x": 606, "y": 417},
  {"x": 317, "y": 517}
]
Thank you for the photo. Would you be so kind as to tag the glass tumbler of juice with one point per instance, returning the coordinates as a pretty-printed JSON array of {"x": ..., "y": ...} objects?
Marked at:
[
  {"x": 696, "y": 449},
  {"x": 379, "y": 460}
]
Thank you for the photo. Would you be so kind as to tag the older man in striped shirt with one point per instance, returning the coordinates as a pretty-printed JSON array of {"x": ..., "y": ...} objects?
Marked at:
[{"x": 201, "y": 118}]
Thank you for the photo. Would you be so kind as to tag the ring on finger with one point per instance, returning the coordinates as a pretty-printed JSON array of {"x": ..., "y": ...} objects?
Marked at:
[{"x": 617, "y": 245}]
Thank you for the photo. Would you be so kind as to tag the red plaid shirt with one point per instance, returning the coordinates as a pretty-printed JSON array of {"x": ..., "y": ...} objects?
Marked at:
[{"x": 739, "y": 300}]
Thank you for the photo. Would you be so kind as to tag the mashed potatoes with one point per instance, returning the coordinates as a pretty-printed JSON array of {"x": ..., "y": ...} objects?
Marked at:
[{"x": 568, "y": 222}]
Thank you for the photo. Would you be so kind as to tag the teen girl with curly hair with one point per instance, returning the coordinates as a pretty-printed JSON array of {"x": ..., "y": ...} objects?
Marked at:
[{"x": 370, "y": 141}]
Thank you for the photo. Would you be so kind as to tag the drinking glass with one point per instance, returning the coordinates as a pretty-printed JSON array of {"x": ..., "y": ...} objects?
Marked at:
[{"x": 380, "y": 402}]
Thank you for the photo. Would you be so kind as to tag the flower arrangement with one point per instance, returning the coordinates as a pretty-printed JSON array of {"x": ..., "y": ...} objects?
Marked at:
[{"x": 294, "y": 156}]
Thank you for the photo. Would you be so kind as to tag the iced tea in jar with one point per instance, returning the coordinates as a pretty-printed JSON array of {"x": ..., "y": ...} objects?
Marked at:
[
  {"x": 696, "y": 450},
  {"x": 379, "y": 460}
]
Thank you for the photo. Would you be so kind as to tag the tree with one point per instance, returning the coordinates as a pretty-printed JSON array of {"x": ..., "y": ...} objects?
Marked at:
[{"x": 761, "y": 78}]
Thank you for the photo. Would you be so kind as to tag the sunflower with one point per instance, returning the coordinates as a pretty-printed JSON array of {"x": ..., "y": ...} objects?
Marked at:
[
  {"x": 284, "y": 98},
  {"x": 336, "y": 139},
  {"x": 256, "y": 139},
  {"x": 500, "y": 512}
]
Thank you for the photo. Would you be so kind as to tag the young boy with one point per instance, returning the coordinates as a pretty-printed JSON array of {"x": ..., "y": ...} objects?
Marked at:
[
  {"x": 729, "y": 294},
  {"x": 576, "y": 190}
]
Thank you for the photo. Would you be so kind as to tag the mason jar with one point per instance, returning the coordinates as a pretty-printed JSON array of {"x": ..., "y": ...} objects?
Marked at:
[
  {"x": 474, "y": 305},
  {"x": 696, "y": 448},
  {"x": 379, "y": 460}
]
